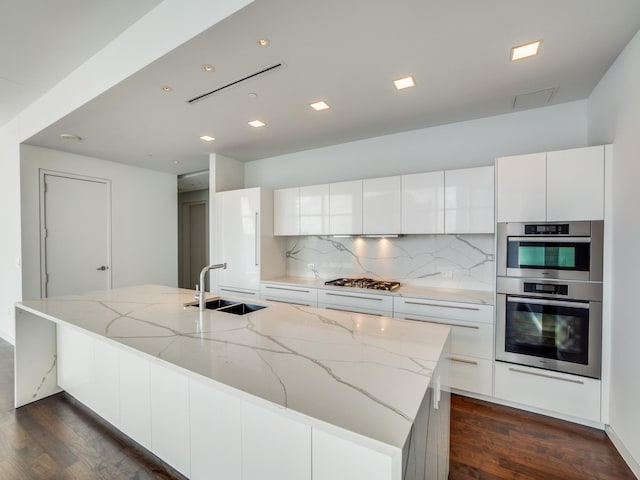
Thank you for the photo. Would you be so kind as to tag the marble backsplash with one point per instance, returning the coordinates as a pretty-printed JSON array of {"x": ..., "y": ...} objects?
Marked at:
[{"x": 449, "y": 261}]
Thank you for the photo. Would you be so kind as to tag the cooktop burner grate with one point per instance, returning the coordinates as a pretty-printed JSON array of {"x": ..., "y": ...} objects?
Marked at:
[{"x": 364, "y": 283}]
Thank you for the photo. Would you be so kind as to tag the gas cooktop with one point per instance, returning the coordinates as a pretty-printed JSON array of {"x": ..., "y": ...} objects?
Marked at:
[{"x": 363, "y": 283}]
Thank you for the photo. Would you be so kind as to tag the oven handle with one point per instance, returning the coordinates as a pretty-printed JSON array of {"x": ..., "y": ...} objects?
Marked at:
[
  {"x": 548, "y": 237},
  {"x": 553, "y": 303}
]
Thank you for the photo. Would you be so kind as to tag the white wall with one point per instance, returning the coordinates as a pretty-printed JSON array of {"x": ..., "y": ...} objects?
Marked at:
[
  {"x": 614, "y": 117},
  {"x": 170, "y": 24},
  {"x": 143, "y": 218},
  {"x": 457, "y": 145}
]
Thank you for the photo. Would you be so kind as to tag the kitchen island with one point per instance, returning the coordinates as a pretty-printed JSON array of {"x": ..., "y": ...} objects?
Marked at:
[{"x": 285, "y": 392}]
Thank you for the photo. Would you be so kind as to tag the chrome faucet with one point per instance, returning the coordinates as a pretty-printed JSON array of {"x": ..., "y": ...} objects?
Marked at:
[{"x": 200, "y": 292}]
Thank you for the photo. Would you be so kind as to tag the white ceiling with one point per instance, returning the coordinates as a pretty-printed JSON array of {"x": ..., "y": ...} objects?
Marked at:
[
  {"x": 346, "y": 53},
  {"x": 42, "y": 41}
]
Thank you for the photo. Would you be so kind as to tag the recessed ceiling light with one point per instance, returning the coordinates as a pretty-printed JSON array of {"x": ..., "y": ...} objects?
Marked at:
[
  {"x": 70, "y": 136},
  {"x": 167, "y": 88},
  {"x": 404, "y": 82},
  {"x": 252, "y": 95},
  {"x": 176, "y": 162},
  {"x": 208, "y": 68},
  {"x": 207, "y": 138},
  {"x": 321, "y": 105},
  {"x": 256, "y": 123},
  {"x": 264, "y": 42},
  {"x": 526, "y": 50}
]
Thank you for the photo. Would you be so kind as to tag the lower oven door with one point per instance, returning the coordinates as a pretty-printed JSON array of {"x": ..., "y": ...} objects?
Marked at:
[{"x": 552, "y": 334}]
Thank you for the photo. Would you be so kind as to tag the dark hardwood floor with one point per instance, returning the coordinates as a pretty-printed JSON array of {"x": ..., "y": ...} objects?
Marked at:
[
  {"x": 492, "y": 442},
  {"x": 57, "y": 438}
]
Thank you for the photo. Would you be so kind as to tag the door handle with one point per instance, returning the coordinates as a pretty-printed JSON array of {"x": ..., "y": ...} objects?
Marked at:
[{"x": 103, "y": 268}]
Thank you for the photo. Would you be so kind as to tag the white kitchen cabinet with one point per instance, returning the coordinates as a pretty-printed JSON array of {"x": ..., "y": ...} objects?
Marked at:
[
  {"x": 345, "y": 208},
  {"x": 575, "y": 184},
  {"x": 423, "y": 203},
  {"x": 553, "y": 391},
  {"x": 469, "y": 200},
  {"x": 274, "y": 447},
  {"x": 245, "y": 241},
  {"x": 107, "y": 385},
  {"x": 335, "y": 458},
  {"x": 296, "y": 295},
  {"x": 170, "y": 438},
  {"x": 470, "y": 360},
  {"x": 286, "y": 206},
  {"x": 76, "y": 373},
  {"x": 565, "y": 185},
  {"x": 381, "y": 202},
  {"x": 521, "y": 188},
  {"x": 356, "y": 301},
  {"x": 135, "y": 398},
  {"x": 314, "y": 210},
  {"x": 216, "y": 441}
]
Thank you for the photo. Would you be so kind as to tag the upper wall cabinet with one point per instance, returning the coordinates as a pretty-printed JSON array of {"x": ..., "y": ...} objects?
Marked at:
[
  {"x": 314, "y": 210},
  {"x": 345, "y": 208},
  {"x": 575, "y": 184},
  {"x": 469, "y": 200},
  {"x": 556, "y": 186},
  {"x": 286, "y": 206},
  {"x": 423, "y": 203},
  {"x": 381, "y": 201}
]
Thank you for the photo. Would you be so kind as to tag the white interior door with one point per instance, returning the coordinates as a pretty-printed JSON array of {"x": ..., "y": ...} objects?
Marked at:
[{"x": 76, "y": 248}]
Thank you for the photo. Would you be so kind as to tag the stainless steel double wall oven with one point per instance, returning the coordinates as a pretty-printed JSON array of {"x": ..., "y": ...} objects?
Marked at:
[{"x": 549, "y": 296}]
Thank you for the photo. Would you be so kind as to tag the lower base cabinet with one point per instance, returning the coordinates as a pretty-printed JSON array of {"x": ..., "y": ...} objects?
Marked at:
[
  {"x": 274, "y": 447},
  {"x": 565, "y": 394},
  {"x": 206, "y": 433},
  {"x": 216, "y": 434}
]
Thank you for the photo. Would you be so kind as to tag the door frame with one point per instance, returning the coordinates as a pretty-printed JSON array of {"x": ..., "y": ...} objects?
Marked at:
[
  {"x": 185, "y": 232},
  {"x": 43, "y": 217}
]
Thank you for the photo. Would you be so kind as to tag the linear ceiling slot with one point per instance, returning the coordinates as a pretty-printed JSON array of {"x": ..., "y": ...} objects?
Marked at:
[{"x": 236, "y": 82}]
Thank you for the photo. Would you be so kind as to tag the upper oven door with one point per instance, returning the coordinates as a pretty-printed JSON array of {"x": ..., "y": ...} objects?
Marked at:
[{"x": 572, "y": 254}]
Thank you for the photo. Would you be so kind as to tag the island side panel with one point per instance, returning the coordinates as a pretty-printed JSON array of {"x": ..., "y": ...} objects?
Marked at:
[{"x": 35, "y": 374}]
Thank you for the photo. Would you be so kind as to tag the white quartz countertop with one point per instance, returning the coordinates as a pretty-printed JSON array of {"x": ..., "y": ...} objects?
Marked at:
[
  {"x": 433, "y": 293},
  {"x": 361, "y": 373}
]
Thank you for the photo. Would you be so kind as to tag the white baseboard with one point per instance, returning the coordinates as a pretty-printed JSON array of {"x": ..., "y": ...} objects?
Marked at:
[{"x": 624, "y": 453}]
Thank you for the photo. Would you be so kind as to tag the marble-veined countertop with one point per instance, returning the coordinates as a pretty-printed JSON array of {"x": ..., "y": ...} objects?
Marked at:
[
  {"x": 362, "y": 373},
  {"x": 481, "y": 297}
]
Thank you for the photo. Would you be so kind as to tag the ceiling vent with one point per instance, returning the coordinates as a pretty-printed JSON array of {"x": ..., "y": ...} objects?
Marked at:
[
  {"x": 259, "y": 73},
  {"x": 539, "y": 98}
]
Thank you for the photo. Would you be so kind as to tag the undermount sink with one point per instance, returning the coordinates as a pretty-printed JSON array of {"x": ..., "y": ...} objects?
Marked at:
[
  {"x": 241, "y": 308},
  {"x": 229, "y": 306}
]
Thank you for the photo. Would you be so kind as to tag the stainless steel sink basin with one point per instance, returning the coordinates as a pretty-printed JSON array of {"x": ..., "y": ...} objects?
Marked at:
[
  {"x": 230, "y": 306},
  {"x": 241, "y": 308}
]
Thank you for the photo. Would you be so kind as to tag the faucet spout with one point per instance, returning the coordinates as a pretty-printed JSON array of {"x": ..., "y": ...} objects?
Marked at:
[{"x": 203, "y": 272}]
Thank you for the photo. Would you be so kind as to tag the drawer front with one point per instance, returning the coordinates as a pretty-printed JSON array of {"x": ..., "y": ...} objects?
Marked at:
[
  {"x": 356, "y": 301},
  {"x": 470, "y": 312},
  {"x": 356, "y": 309},
  {"x": 467, "y": 338},
  {"x": 287, "y": 293},
  {"x": 558, "y": 392},
  {"x": 238, "y": 292},
  {"x": 471, "y": 374}
]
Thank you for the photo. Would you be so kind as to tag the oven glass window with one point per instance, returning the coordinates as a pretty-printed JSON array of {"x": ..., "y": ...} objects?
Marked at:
[
  {"x": 549, "y": 255},
  {"x": 548, "y": 331}
]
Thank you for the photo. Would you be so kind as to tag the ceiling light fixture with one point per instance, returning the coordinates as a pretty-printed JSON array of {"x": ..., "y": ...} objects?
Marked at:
[
  {"x": 264, "y": 42},
  {"x": 167, "y": 88},
  {"x": 208, "y": 68},
  {"x": 321, "y": 105},
  {"x": 256, "y": 123},
  {"x": 207, "y": 138},
  {"x": 70, "y": 136},
  {"x": 527, "y": 50},
  {"x": 252, "y": 95},
  {"x": 404, "y": 82}
]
